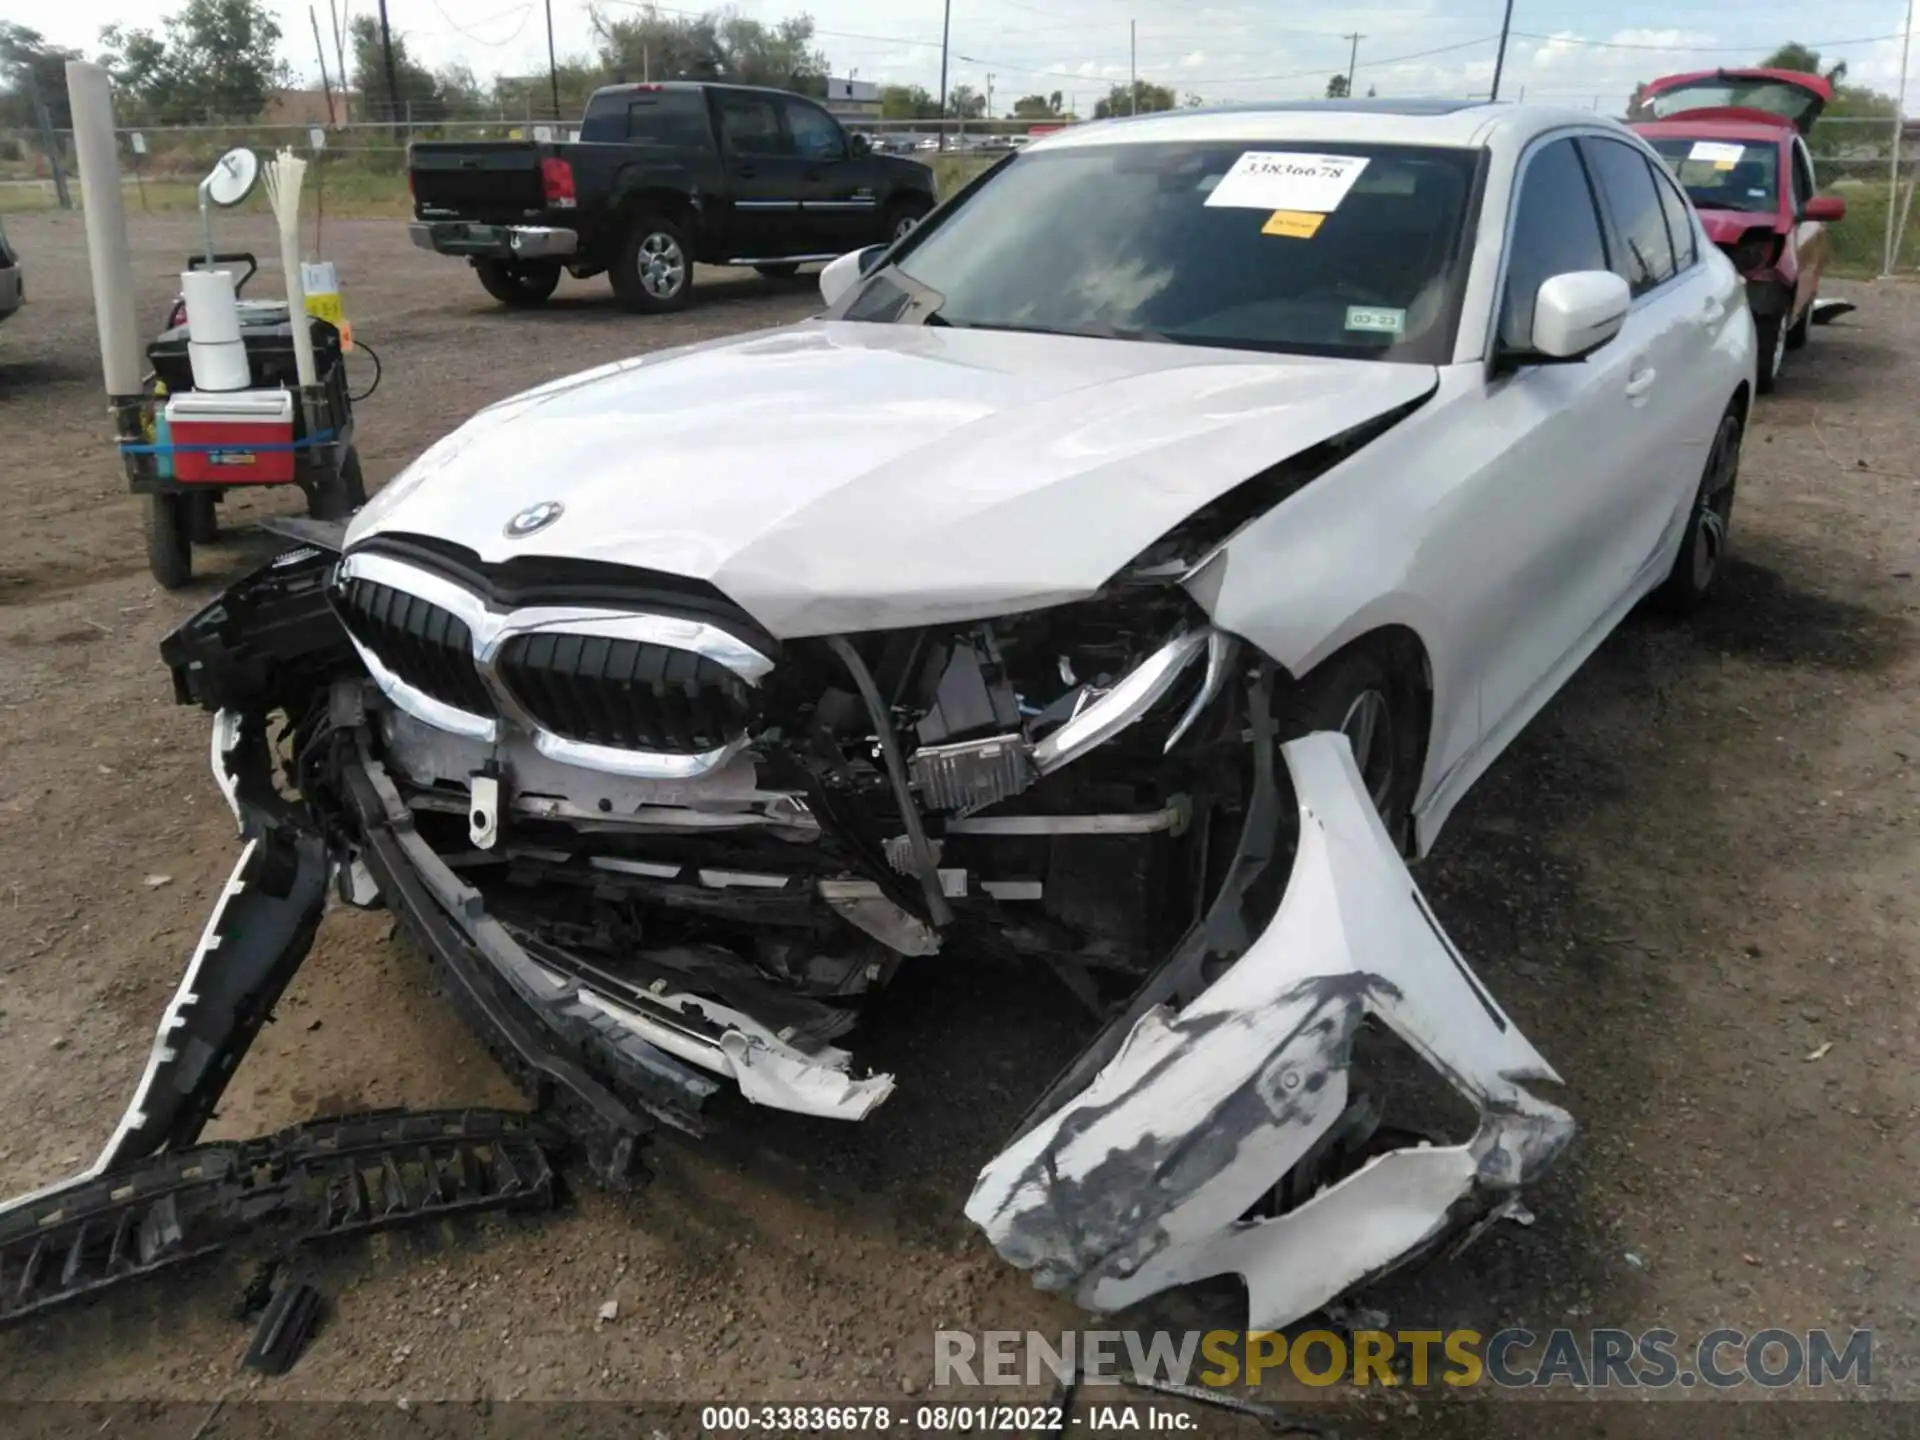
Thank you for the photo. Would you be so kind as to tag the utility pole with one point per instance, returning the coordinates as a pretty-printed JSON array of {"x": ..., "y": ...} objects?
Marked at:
[
  {"x": 989, "y": 99},
  {"x": 1353, "y": 56},
  {"x": 338, "y": 17},
  {"x": 946, "y": 31},
  {"x": 393, "y": 83},
  {"x": 49, "y": 142},
  {"x": 1133, "y": 65},
  {"x": 320, "y": 45},
  {"x": 1500, "y": 60},
  {"x": 553, "y": 71}
]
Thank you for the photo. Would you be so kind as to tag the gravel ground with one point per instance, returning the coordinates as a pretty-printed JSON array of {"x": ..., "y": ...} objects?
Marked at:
[{"x": 1693, "y": 875}]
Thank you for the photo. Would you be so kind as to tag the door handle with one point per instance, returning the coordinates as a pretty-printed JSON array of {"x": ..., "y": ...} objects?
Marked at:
[{"x": 1641, "y": 383}]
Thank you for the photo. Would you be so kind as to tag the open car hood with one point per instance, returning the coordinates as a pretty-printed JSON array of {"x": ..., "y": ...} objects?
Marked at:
[{"x": 1776, "y": 97}]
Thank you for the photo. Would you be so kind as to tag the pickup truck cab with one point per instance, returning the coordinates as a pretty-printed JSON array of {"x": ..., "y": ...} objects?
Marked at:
[{"x": 663, "y": 176}]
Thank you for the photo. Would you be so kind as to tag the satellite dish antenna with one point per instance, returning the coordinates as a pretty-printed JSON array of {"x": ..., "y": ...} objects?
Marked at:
[{"x": 230, "y": 182}]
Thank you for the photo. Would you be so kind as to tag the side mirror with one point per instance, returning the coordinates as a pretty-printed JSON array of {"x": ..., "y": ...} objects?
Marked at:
[
  {"x": 859, "y": 143},
  {"x": 1576, "y": 313},
  {"x": 1828, "y": 208},
  {"x": 843, "y": 274}
]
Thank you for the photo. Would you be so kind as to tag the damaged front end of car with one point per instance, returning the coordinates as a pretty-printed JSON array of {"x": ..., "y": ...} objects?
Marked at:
[{"x": 650, "y": 849}]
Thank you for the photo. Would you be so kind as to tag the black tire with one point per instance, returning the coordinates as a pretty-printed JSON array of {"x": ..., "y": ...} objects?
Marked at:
[
  {"x": 1771, "y": 342},
  {"x": 1799, "y": 331},
  {"x": 343, "y": 495},
  {"x": 169, "y": 551},
  {"x": 1372, "y": 693},
  {"x": 779, "y": 272},
  {"x": 901, "y": 217},
  {"x": 652, "y": 273},
  {"x": 519, "y": 285},
  {"x": 203, "y": 518},
  {"x": 1702, "y": 557}
]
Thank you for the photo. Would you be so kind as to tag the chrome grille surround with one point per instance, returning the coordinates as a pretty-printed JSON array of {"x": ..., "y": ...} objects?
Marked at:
[{"x": 490, "y": 631}]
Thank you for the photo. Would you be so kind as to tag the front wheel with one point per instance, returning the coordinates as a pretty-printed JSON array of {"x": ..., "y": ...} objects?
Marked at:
[
  {"x": 1369, "y": 694},
  {"x": 1702, "y": 557},
  {"x": 519, "y": 285},
  {"x": 1770, "y": 337},
  {"x": 169, "y": 550},
  {"x": 653, "y": 272},
  {"x": 901, "y": 220}
]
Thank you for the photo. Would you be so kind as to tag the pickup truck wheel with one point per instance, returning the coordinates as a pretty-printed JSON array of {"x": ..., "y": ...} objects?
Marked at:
[
  {"x": 900, "y": 221},
  {"x": 653, "y": 272},
  {"x": 519, "y": 285}
]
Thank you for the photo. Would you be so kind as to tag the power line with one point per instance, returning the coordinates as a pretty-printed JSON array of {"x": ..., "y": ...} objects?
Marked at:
[
  {"x": 523, "y": 11},
  {"x": 1697, "y": 49}
]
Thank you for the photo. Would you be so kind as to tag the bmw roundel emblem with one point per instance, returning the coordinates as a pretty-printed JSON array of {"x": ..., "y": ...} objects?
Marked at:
[{"x": 533, "y": 518}]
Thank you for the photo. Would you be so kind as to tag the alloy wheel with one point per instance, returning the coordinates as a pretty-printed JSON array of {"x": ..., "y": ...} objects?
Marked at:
[{"x": 663, "y": 265}]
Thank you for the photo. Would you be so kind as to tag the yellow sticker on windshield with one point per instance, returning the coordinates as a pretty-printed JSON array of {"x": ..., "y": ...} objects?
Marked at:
[
  {"x": 1298, "y": 224},
  {"x": 1723, "y": 164}
]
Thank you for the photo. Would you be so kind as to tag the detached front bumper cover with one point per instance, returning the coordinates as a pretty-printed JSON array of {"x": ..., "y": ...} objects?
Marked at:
[{"x": 1141, "y": 1181}]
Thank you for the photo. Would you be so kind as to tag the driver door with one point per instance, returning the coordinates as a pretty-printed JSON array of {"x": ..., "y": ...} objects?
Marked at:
[{"x": 841, "y": 195}]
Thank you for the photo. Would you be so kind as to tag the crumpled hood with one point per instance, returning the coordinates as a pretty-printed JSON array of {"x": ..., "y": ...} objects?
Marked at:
[
  {"x": 838, "y": 477},
  {"x": 1725, "y": 227}
]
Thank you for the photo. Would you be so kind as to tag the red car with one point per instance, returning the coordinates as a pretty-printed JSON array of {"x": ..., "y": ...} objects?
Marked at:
[{"x": 1736, "y": 140}]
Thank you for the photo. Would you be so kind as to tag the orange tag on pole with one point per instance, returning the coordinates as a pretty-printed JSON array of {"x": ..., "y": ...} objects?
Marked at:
[{"x": 1297, "y": 224}]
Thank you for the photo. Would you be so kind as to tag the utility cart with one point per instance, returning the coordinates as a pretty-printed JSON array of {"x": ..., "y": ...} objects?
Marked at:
[{"x": 184, "y": 450}]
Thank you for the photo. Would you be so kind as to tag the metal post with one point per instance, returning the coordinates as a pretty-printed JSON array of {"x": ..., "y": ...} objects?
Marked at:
[
  {"x": 946, "y": 30},
  {"x": 393, "y": 83},
  {"x": 1133, "y": 65},
  {"x": 1500, "y": 60},
  {"x": 1353, "y": 56},
  {"x": 1899, "y": 127},
  {"x": 49, "y": 141},
  {"x": 553, "y": 70},
  {"x": 340, "y": 59},
  {"x": 325, "y": 88}
]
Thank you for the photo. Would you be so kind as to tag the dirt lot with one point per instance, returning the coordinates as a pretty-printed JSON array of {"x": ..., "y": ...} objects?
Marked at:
[{"x": 1693, "y": 875}]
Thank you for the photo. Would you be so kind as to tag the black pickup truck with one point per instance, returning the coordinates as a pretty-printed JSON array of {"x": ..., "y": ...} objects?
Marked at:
[{"x": 663, "y": 176}]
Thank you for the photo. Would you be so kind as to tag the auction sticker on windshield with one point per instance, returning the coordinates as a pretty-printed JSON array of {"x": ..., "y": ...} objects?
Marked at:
[
  {"x": 1379, "y": 320},
  {"x": 1278, "y": 180}
]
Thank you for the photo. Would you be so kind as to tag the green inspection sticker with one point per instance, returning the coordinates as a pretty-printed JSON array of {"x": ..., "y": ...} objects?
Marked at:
[{"x": 1376, "y": 320}]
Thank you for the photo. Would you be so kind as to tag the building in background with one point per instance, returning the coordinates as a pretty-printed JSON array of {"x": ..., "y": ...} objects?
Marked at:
[{"x": 853, "y": 99}]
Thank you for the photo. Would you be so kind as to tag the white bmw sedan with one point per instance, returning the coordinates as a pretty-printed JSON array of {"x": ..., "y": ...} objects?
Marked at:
[{"x": 1132, "y": 566}]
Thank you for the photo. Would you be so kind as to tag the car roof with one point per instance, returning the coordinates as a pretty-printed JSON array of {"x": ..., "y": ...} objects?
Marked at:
[
  {"x": 1454, "y": 124},
  {"x": 1748, "y": 132}
]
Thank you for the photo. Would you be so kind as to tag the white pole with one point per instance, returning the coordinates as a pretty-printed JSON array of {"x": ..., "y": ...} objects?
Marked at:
[
  {"x": 1899, "y": 125},
  {"x": 1133, "y": 65},
  {"x": 91, "y": 94}
]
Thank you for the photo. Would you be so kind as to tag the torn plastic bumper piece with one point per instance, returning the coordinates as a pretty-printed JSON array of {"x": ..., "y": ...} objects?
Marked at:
[
  {"x": 312, "y": 1182},
  {"x": 1151, "y": 1175}
]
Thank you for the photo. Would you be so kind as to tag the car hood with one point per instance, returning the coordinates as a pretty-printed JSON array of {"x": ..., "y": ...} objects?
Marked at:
[{"x": 839, "y": 476}]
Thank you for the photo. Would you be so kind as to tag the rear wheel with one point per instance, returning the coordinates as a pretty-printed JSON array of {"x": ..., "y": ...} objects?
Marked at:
[
  {"x": 169, "y": 550},
  {"x": 1702, "y": 557},
  {"x": 1771, "y": 337},
  {"x": 519, "y": 285},
  {"x": 203, "y": 518},
  {"x": 1369, "y": 693},
  {"x": 653, "y": 272}
]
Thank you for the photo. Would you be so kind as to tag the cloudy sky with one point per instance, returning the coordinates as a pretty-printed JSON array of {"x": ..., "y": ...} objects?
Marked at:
[{"x": 1584, "y": 54}]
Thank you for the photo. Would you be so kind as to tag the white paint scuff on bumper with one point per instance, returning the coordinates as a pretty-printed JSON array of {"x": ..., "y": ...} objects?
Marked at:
[{"x": 1139, "y": 1182}]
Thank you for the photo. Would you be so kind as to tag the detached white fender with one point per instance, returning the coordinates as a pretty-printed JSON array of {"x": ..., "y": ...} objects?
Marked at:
[{"x": 1139, "y": 1183}]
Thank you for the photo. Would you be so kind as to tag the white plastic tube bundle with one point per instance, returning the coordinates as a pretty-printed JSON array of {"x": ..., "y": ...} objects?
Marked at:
[
  {"x": 215, "y": 349},
  {"x": 284, "y": 175}
]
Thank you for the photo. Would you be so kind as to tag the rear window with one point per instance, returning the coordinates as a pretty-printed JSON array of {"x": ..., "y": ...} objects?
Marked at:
[
  {"x": 663, "y": 117},
  {"x": 1723, "y": 174}
]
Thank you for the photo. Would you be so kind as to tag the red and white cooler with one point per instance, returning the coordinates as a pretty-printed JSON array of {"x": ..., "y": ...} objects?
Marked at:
[{"x": 240, "y": 419}]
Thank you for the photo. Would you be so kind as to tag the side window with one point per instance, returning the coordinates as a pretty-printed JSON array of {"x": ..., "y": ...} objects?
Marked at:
[
  {"x": 1555, "y": 229},
  {"x": 1686, "y": 249},
  {"x": 1803, "y": 187},
  {"x": 751, "y": 126},
  {"x": 1646, "y": 257},
  {"x": 666, "y": 120},
  {"x": 816, "y": 135}
]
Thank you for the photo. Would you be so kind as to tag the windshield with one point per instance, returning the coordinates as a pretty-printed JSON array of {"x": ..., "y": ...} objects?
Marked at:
[
  {"x": 1724, "y": 174},
  {"x": 1246, "y": 245}
]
